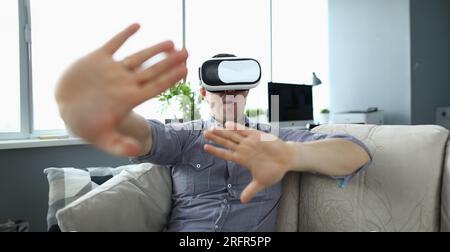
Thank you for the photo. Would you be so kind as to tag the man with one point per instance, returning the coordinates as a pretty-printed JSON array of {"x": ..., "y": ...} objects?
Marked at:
[{"x": 96, "y": 97}]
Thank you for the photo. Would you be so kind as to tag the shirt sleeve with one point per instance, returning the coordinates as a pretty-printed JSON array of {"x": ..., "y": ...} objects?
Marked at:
[
  {"x": 307, "y": 136},
  {"x": 167, "y": 146}
]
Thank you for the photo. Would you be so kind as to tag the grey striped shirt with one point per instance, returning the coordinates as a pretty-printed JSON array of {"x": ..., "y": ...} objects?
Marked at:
[{"x": 206, "y": 189}]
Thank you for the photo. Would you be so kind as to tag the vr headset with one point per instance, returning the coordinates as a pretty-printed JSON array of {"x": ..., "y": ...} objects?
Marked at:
[{"x": 224, "y": 74}]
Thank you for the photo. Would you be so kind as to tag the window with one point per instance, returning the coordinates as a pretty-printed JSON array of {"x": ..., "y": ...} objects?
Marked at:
[
  {"x": 9, "y": 68},
  {"x": 63, "y": 30},
  {"x": 234, "y": 26},
  {"x": 300, "y": 45}
]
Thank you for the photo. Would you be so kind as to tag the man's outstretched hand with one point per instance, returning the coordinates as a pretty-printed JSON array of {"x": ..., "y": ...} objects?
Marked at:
[
  {"x": 267, "y": 157},
  {"x": 97, "y": 94}
]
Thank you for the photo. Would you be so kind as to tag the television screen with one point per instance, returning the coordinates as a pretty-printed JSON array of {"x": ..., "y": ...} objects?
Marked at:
[{"x": 296, "y": 101}]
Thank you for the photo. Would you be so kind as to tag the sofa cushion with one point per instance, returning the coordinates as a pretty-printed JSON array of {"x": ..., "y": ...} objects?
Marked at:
[
  {"x": 136, "y": 200},
  {"x": 399, "y": 192},
  {"x": 445, "y": 206},
  {"x": 68, "y": 184},
  {"x": 287, "y": 219}
]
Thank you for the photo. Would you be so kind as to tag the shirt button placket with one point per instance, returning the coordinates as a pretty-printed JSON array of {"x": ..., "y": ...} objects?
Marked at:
[{"x": 230, "y": 191}]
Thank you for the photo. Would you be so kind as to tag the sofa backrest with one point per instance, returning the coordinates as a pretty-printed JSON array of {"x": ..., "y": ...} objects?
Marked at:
[
  {"x": 401, "y": 191},
  {"x": 445, "y": 200}
]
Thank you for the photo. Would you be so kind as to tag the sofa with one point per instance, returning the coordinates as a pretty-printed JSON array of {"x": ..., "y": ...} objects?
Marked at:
[{"x": 406, "y": 188}]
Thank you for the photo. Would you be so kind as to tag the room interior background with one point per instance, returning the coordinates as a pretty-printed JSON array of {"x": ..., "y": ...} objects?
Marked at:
[{"x": 390, "y": 54}]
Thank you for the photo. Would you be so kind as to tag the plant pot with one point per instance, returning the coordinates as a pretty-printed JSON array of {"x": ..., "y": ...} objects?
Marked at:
[{"x": 324, "y": 118}]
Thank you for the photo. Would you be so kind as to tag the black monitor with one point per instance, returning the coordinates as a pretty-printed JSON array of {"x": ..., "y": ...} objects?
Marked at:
[{"x": 295, "y": 104}]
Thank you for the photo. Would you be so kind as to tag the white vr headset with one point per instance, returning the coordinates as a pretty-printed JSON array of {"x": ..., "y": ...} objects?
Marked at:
[{"x": 223, "y": 74}]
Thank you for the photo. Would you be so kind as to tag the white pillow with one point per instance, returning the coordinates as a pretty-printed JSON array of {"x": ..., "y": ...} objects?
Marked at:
[
  {"x": 136, "y": 200},
  {"x": 68, "y": 184}
]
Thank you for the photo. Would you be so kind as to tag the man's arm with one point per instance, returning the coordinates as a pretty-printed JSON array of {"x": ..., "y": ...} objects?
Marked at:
[
  {"x": 161, "y": 144},
  {"x": 136, "y": 127},
  {"x": 269, "y": 161},
  {"x": 332, "y": 157}
]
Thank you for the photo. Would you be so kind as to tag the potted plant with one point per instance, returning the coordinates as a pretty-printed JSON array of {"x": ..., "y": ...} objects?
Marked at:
[
  {"x": 324, "y": 116},
  {"x": 183, "y": 100}
]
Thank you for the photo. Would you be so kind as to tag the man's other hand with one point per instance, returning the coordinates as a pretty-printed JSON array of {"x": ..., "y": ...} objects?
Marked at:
[{"x": 267, "y": 157}]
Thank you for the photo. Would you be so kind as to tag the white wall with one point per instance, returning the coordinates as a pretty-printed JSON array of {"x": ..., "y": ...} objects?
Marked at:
[
  {"x": 300, "y": 46},
  {"x": 370, "y": 57}
]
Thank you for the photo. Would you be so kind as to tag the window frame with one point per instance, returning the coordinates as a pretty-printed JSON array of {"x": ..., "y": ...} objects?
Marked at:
[
  {"x": 27, "y": 130},
  {"x": 24, "y": 54}
]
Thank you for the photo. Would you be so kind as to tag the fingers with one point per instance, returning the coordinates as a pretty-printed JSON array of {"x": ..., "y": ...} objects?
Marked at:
[
  {"x": 224, "y": 134},
  {"x": 221, "y": 139},
  {"x": 151, "y": 89},
  {"x": 174, "y": 60},
  {"x": 118, "y": 145},
  {"x": 235, "y": 126},
  {"x": 241, "y": 129},
  {"x": 136, "y": 60},
  {"x": 115, "y": 43},
  {"x": 220, "y": 153},
  {"x": 250, "y": 191}
]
